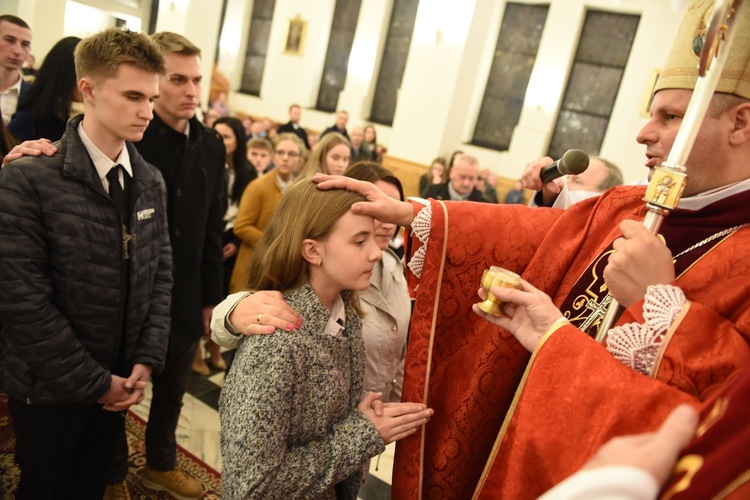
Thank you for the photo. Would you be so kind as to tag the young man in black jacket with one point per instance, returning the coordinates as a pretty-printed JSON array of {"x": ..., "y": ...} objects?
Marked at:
[
  {"x": 191, "y": 159},
  {"x": 86, "y": 277}
]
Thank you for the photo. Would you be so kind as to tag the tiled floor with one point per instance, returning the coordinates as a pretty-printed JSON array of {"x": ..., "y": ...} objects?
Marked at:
[{"x": 198, "y": 432}]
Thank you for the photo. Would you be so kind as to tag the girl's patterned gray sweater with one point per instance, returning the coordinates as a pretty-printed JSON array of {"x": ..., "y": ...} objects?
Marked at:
[{"x": 290, "y": 427}]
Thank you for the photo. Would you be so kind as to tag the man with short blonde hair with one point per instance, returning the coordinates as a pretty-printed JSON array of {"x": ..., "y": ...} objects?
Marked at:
[{"x": 93, "y": 323}]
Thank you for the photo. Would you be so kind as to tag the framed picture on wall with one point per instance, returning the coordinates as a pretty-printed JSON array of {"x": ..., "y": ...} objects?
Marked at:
[
  {"x": 648, "y": 100},
  {"x": 295, "y": 37}
]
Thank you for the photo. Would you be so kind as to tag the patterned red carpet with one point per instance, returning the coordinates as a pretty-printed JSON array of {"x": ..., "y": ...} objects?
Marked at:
[{"x": 136, "y": 429}]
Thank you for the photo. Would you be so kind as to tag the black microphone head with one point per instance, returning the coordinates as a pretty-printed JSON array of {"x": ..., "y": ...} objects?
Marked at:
[{"x": 573, "y": 162}]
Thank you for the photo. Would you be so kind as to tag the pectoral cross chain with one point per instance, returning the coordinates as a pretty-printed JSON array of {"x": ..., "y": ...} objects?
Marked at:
[
  {"x": 598, "y": 310},
  {"x": 126, "y": 239}
]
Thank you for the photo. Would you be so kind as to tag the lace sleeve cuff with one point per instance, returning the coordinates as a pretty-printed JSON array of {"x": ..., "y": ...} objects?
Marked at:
[
  {"x": 637, "y": 345},
  {"x": 420, "y": 227}
]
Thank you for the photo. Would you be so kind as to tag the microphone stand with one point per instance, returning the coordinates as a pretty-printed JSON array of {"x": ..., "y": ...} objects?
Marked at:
[{"x": 668, "y": 181}]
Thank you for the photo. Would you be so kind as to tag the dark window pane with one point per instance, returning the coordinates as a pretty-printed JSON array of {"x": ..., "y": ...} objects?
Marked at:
[
  {"x": 590, "y": 88},
  {"x": 509, "y": 75},
  {"x": 517, "y": 46},
  {"x": 260, "y": 32},
  {"x": 497, "y": 119},
  {"x": 337, "y": 58},
  {"x": 607, "y": 38},
  {"x": 257, "y": 46},
  {"x": 392, "y": 66},
  {"x": 594, "y": 82},
  {"x": 578, "y": 130},
  {"x": 263, "y": 9},
  {"x": 252, "y": 74}
]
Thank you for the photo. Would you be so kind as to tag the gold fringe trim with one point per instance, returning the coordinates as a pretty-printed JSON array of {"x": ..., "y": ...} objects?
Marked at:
[
  {"x": 432, "y": 342},
  {"x": 729, "y": 489},
  {"x": 511, "y": 411}
]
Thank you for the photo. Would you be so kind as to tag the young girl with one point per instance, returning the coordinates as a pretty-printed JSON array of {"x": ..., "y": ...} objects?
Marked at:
[
  {"x": 294, "y": 423},
  {"x": 330, "y": 156}
]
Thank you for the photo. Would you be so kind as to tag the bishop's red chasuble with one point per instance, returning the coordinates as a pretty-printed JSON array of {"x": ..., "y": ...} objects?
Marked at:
[{"x": 511, "y": 425}]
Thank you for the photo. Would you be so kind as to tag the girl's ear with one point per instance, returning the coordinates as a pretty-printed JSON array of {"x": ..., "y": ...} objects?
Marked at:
[{"x": 311, "y": 252}]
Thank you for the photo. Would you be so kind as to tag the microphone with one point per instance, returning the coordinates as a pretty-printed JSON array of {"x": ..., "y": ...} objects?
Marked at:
[{"x": 573, "y": 162}]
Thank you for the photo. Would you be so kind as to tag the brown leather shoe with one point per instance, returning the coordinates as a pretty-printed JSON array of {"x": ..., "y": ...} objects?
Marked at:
[
  {"x": 117, "y": 492},
  {"x": 174, "y": 482}
]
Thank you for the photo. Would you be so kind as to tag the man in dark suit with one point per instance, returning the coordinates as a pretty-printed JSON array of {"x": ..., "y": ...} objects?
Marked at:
[
  {"x": 357, "y": 138},
  {"x": 340, "y": 126},
  {"x": 295, "y": 113},
  {"x": 15, "y": 45},
  {"x": 462, "y": 182},
  {"x": 191, "y": 159}
]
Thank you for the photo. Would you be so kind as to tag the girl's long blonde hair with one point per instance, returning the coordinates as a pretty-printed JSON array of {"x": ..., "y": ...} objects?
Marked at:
[
  {"x": 304, "y": 212},
  {"x": 317, "y": 160}
]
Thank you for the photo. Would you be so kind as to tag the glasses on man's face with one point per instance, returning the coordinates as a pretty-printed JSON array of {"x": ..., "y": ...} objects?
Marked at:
[{"x": 289, "y": 154}]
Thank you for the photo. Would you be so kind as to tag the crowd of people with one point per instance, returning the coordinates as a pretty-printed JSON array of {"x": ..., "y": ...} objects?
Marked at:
[{"x": 134, "y": 236}]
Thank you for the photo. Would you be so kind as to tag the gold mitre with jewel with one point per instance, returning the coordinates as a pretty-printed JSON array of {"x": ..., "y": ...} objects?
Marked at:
[{"x": 681, "y": 68}]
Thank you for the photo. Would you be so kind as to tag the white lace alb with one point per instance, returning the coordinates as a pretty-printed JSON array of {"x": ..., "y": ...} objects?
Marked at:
[
  {"x": 637, "y": 345},
  {"x": 420, "y": 227}
]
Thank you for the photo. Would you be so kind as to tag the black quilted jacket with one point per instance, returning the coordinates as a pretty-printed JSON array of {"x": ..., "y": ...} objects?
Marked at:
[{"x": 61, "y": 276}]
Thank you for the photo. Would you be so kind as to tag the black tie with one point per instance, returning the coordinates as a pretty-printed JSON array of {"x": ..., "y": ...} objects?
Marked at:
[{"x": 115, "y": 189}]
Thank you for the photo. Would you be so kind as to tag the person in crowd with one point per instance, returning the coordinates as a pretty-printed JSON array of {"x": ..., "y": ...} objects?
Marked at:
[
  {"x": 515, "y": 196},
  {"x": 435, "y": 175},
  {"x": 81, "y": 345},
  {"x": 191, "y": 158},
  {"x": 313, "y": 140},
  {"x": 371, "y": 142},
  {"x": 28, "y": 70},
  {"x": 572, "y": 263},
  {"x": 600, "y": 175},
  {"x": 220, "y": 104},
  {"x": 268, "y": 125},
  {"x": 330, "y": 156},
  {"x": 293, "y": 126},
  {"x": 247, "y": 123},
  {"x": 461, "y": 183},
  {"x": 486, "y": 185},
  {"x": 357, "y": 152},
  {"x": 15, "y": 46},
  {"x": 295, "y": 419},
  {"x": 209, "y": 119},
  {"x": 272, "y": 133},
  {"x": 259, "y": 152},
  {"x": 238, "y": 173},
  {"x": 259, "y": 201},
  {"x": 44, "y": 110},
  {"x": 342, "y": 117},
  {"x": 454, "y": 156},
  {"x": 380, "y": 152}
]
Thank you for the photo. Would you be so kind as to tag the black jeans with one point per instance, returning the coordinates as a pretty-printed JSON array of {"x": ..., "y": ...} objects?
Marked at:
[
  {"x": 168, "y": 390},
  {"x": 64, "y": 451}
]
